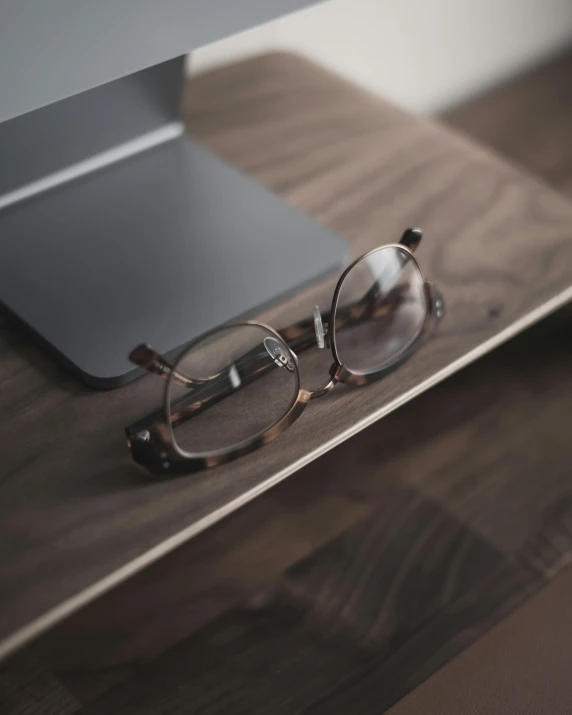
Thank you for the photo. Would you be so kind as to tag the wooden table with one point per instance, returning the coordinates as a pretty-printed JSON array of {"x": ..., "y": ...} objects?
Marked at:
[{"x": 77, "y": 517}]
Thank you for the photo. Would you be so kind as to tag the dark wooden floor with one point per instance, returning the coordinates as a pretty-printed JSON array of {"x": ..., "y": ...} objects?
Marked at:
[{"x": 350, "y": 583}]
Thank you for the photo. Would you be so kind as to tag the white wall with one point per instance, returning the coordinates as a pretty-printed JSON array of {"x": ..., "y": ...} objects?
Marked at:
[{"x": 423, "y": 54}]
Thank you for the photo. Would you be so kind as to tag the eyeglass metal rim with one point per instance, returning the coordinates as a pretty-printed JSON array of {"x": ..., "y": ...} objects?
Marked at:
[{"x": 155, "y": 446}]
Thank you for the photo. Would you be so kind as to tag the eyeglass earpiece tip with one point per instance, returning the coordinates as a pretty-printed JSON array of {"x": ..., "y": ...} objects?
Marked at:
[
  {"x": 141, "y": 354},
  {"x": 411, "y": 238}
]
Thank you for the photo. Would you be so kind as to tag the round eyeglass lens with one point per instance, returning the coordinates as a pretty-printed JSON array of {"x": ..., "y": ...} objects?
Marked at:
[
  {"x": 229, "y": 388},
  {"x": 381, "y": 310}
]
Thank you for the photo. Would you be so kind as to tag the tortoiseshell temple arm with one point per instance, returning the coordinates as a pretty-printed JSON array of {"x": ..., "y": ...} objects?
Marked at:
[
  {"x": 206, "y": 393},
  {"x": 152, "y": 361},
  {"x": 299, "y": 336},
  {"x": 411, "y": 239},
  {"x": 302, "y": 334},
  {"x": 203, "y": 393}
]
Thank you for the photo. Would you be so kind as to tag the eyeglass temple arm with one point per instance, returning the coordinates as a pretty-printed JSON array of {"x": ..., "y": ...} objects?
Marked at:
[
  {"x": 205, "y": 393},
  {"x": 411, "y": 238},
  {"x": 149, "y": 359},
  {"x": 301, "y": 334},
  {"x": 298, "y": 336}
]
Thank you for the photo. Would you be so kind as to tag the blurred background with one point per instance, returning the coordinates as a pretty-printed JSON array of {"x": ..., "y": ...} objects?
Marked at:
[{"x": 424, "y": 56}]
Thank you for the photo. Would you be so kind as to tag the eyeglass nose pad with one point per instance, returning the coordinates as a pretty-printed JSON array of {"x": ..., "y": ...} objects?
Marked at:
[
  {"x": 319, "y": 328},
  {"x": 281, "y": 356}
]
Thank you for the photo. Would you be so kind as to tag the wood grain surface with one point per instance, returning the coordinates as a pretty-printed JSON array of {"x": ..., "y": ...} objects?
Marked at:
[
  {"x": 528, "y": 121},
  {"x": 77, "y": 517},
  {"x": 361, "y": 575}
]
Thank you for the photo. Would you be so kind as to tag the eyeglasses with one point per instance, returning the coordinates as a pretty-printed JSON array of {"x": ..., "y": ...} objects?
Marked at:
[{"x": 237, "y": 387}]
